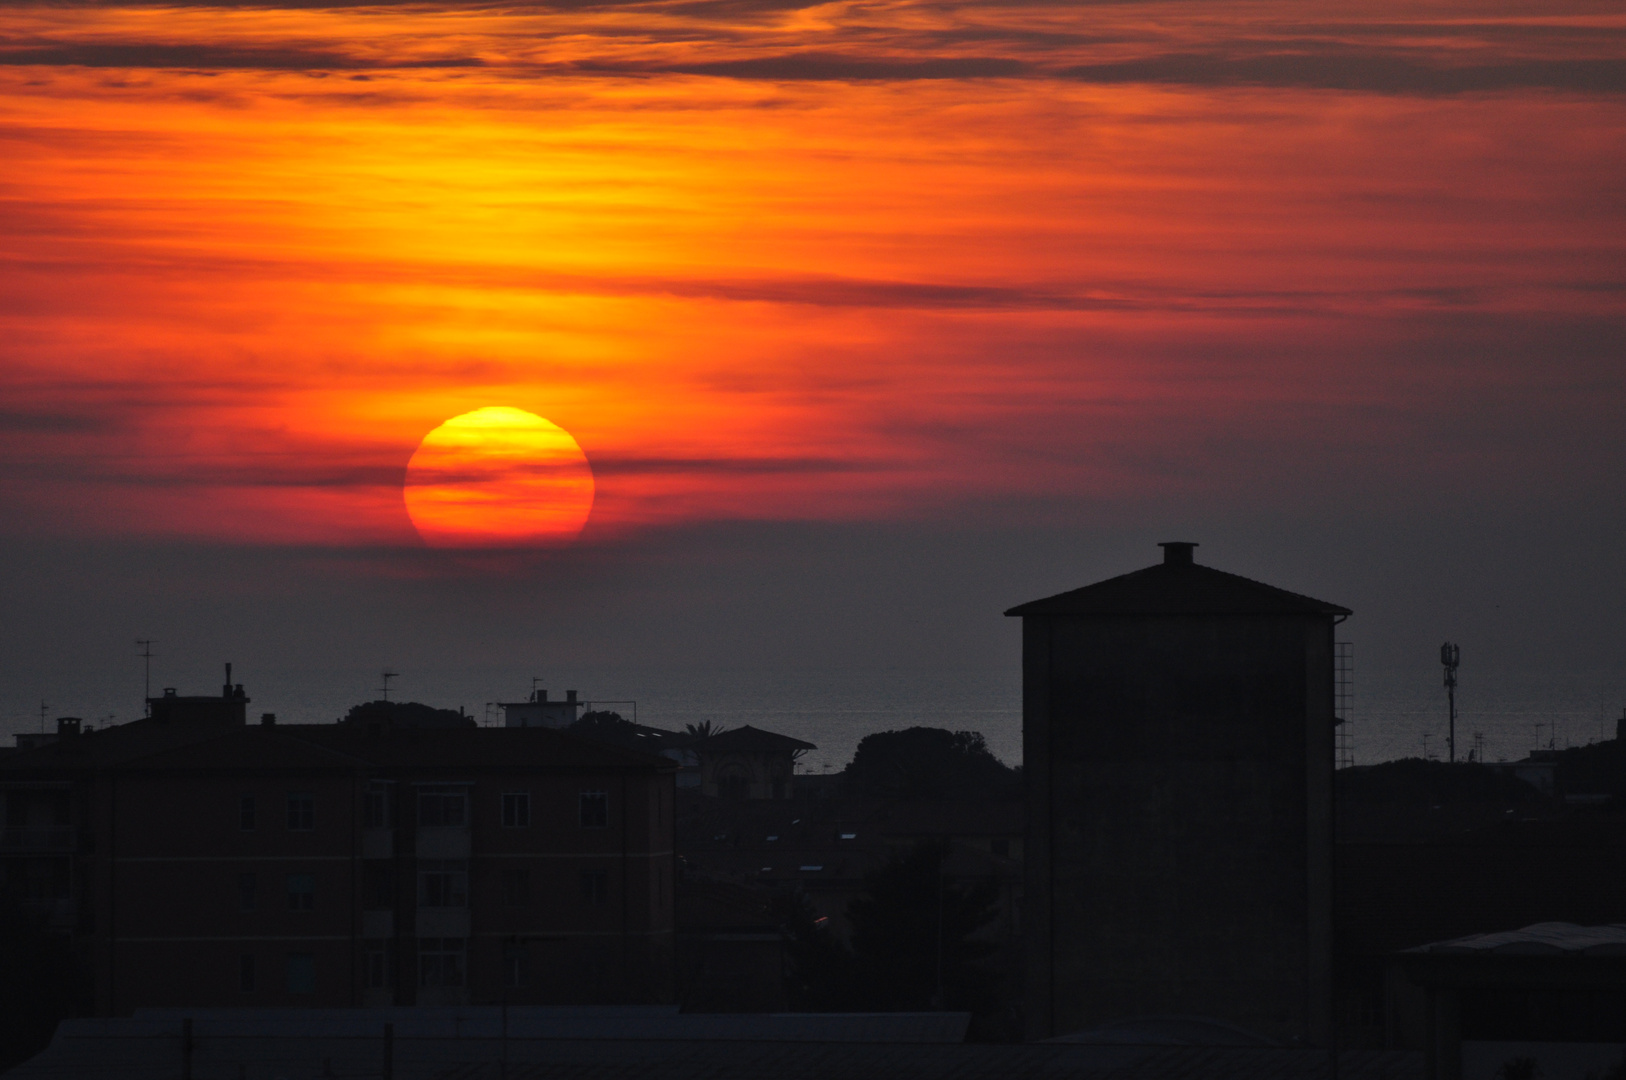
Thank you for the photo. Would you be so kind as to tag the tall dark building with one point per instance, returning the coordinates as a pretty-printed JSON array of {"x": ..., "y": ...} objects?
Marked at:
[{"x": 1178, "y": 748}]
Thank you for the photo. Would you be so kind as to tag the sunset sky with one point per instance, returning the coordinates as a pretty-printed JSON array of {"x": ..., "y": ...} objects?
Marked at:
[{"x": 871, "y": 318}]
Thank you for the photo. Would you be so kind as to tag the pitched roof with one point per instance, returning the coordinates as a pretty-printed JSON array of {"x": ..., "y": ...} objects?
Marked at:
[
  {"x": 1178, "y": 586},
  {"x": 750, "y": 740}
]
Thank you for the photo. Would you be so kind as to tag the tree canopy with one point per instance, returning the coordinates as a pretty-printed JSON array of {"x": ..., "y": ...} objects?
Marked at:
[
  {"x": 913, "y": 945},
  {"x": 930, "y": 763},
  {"x": 406, "y": 714}
]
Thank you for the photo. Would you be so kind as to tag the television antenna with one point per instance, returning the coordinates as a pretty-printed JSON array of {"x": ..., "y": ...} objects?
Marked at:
[
  {"x": 387, "y": 676},
  {"x": 1451, "y": 656},
  {"x": 146, "y": 672}
]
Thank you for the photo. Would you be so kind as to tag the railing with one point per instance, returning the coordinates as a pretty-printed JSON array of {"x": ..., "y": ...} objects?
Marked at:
[{"x": 36, "y": 838}]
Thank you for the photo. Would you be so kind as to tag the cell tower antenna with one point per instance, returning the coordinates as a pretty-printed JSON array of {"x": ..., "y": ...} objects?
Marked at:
[
  {"x": 1451, "y": 656},
  {"x": 146, "y": 673},
  {"x": 385, "y": 689}
]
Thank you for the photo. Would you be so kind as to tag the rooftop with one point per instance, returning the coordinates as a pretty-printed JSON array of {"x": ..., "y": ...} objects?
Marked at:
[{"x": 1178, "y": 586}]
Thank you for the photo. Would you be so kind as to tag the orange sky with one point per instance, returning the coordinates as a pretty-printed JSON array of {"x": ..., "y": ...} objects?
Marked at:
[{"x": 846, "y": 260}]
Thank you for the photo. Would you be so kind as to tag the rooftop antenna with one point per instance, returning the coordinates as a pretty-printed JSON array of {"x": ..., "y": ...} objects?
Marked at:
[
  {"x": 146, "y": 671},
  {"x": 1426, "y": 736},
  {"x": 1451, "y": 656},
  {"x": 43, "y": 707},
  {"x": 385, "y": 689},
  {"x": 535, "y": 680}
]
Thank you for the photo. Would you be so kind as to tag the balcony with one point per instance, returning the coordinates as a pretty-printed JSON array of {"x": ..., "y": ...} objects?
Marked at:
[
  {"x": 443, "y": 842},
  {"x": 378, "y": 843},
  {"x": 443, "y": 923},
  {"x": 36, "y": 838}
]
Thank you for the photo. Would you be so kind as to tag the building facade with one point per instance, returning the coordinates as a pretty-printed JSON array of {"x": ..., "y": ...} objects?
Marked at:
[
  {"x": 208, "y": 863},
  {"x": 1178, "y": 756}
]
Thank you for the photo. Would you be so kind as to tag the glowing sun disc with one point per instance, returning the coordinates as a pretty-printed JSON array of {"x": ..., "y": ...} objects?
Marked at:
[{"x": 498, "y": 478}]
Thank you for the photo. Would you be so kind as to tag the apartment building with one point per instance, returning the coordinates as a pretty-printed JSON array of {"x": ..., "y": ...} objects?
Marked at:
[{"x": 204, "y": 861}]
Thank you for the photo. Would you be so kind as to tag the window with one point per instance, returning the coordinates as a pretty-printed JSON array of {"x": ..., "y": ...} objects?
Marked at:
[
  {"x": 595, "y": 887},
  {"x": 245, "y": 974},
  {"x": 516, "y": 886},
  {"x": 247, "y": 888},
  {"x": 595, "y": 809},
  {"x": 245, "y": 813},
  {"x": 442, "y": 806},
  {"x": 377, "y": 886},
  {"x": 375, "y": 810},
  {"x": 441, "y": 961},
  {"x": 378, "y": 969},
  {"x": 516, "y": 809},
  {"x": 301, "y": 892},
  {"x": 301, "y": 812},
  {"x": 443, "y": 884},
  {"x": 301, "y": 973}
]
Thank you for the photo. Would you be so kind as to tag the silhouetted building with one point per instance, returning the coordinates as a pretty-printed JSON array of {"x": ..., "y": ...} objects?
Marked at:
[
  {"x": 1178, "y": 754},
  {"x": 749, "y": 763},
  {"x": 538, "y": 711},
  {"x": 231, "y": 707},
  {"x": 197, "y": 862},
  {"x": 1552, "y": 994}
]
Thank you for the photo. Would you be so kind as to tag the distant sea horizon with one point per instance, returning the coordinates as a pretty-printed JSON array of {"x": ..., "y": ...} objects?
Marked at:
[{"x": 1514, "y": 712}]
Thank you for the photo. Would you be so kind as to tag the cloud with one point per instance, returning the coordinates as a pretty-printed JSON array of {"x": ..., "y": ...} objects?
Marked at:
[
  {"x": 196, "y": 56},
  {"x": 829, "y": 66},
  {"x": 1354, "y": 70}
]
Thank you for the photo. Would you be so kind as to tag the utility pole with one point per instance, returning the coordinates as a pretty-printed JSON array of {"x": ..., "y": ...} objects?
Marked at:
[
  {"x": 146, "y": 673},
  {"x": 1450, "y": 656}
]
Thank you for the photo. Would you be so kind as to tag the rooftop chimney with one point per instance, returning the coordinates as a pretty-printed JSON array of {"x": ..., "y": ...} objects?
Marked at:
[
  {"x": 268, "y": 719},
  {"x": 1177, "y": 552},
  {"x": 570, "y": 697},
  {"x": 226, "y": 690}
]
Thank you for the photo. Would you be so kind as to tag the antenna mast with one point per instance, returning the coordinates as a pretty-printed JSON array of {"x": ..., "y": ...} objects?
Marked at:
[
  {"x": 146, "y": 673},
  {"x": 1450, "y": 656},
  {"x": 385, "y": 689}
]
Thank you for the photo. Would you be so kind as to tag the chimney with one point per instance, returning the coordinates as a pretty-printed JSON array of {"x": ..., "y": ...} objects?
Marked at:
[
  {"x": 1177, "y": 552},
  {"x": 570, "y": 697},
  {"x": 226, "y": 691},
  {"x": 268, "y": 719}
]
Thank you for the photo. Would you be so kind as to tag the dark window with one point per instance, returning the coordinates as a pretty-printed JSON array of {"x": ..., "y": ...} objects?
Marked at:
[
  {"x": 595, "y": 809},
  {"x": 516, "y": 809},
  {"x": 301, "y": 973},
  {"x": 516, "y": 886},
  {"x": 441, "y": 961},
  {"x": 245, "y": 974},
  {"x": 443, "y": 884},
  {"x": 595, "y": 887},
  {"x": 301, "y": 892},
  {"x": 245, "y": 813},
  {"x": 302, "y": 812},
  {"x": 375, "y": 810},
  {"x": 378, "y": 969},
  {"x": 377, "y": 886},
  {"x": 247, "y": 887},
  {"x": 439, "y": 806}
]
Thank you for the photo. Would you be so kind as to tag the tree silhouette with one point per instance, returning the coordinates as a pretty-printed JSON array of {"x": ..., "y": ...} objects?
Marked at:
[
  {"x": 930, "y": 763},
  {"x": 913, "y": 945}
]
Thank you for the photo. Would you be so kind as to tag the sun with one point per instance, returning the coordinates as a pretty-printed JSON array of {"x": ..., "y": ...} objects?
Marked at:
[{"x": 498, "y": 477}]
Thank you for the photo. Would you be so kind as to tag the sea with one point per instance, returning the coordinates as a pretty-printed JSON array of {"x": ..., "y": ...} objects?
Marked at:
[{"x": 1501, "y": 716}]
